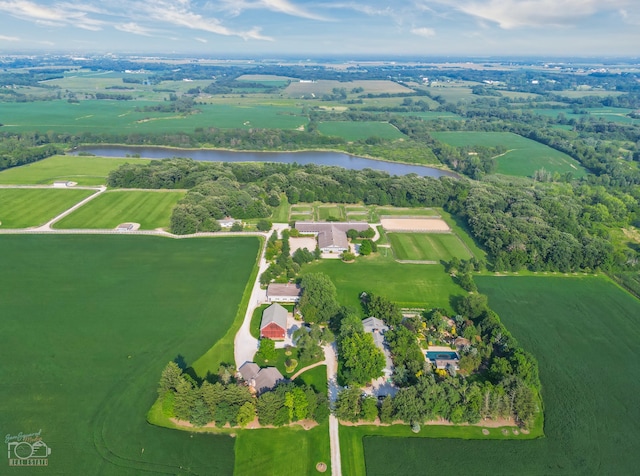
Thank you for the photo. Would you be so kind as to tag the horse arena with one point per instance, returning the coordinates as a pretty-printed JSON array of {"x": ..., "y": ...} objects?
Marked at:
[{"x": 428, "y": 225}]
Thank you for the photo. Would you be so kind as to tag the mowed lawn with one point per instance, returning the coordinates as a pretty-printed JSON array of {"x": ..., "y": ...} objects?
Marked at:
[
  {"x": 584, "y": 333},
  {"x": 353, "y": 131},
  {"x": 27, "y": 207},
  {"x": 151, "y": 209},
  {"x": 83, "y": 170},
  {"x": 428, "y": 246},
  {"x": 523, "y": 157},
  {"x": 290, "y": 451},
  {"x": 409, "y": 285},
  {"x": 87, "y": 325}
]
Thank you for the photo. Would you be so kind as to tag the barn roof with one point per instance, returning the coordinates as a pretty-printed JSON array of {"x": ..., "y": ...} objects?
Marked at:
[{"x": 274, "y": 313}]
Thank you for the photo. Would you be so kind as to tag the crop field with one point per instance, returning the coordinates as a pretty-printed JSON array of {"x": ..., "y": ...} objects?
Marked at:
[
  {"x": 523, "y": 157},
  {"x": 151, "y": 209},
  {"x": 353, "y": 131},
  {"x": 23, "y": 208},
  {"x": 428, "y": 246},
  {"x": 453, "y": 93},
  {"x": 432, "y": 115},
  {"x": 322, "y": 86},
  {"x": 116, "y": 116},
  {"x": 409, "y": 285},
  {"x": 83, "y": 170},
  {"x": 584, "y": 333},
  {"x": 87, "y": 326}
]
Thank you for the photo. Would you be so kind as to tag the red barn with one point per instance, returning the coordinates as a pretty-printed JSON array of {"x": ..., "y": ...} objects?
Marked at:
[{"x": 274, "y": 322}]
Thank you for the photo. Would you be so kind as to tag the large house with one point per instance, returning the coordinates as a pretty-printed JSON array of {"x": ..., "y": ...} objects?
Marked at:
[
  {"x": 277, "y": 292},
  {"x": 332, "y": 236},
  {"x": 377, "y": 329},
  {"x": 274, "y": 322},
  {"x": 260, "y": 380}
]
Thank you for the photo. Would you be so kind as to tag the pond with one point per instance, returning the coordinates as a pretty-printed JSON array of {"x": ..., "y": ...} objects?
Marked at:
[{"x": 338, "y": 159}]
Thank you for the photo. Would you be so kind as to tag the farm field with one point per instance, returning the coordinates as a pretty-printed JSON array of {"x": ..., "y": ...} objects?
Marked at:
[
  {"x": 353, "y": 131},
  {"x": 432, "y": 115},
  {"x": 427, "y": 246},
  {"x": 322, "y": 86},
  {"x": 83, "y": 170},
  {"x": 151, "y": 209},
  {"x": 523, "y": 156},
  {"x": 117, "y": 116},
  {"x": 409, "y": 285},
  {"x": 23, "y": 208},
  {"x": 325, "y": 212},
  {"x": 118, "y": 308},
  {"x": 407, "y": 212},
  {"x": 584, "y": 335}
]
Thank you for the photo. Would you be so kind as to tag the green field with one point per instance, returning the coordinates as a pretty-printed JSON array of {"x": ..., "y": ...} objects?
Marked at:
[
  {"x": 27, "y": 207},
  {"x": 290, "y": 451},
  {"x": 83, "y": 170},
  {"x": 523, "y": 157},
  {"x": 407, "y": 212},
  {"x": 115, "y": 116},
  {"x": 584, "y": 332},
  {"x": 353, "y": 131},
  {"x": 151, "y": 209},
  {"x": 428, "y": 246},
  {"x": 409, "y": 285},
  {"x": 87, "y": 326}
]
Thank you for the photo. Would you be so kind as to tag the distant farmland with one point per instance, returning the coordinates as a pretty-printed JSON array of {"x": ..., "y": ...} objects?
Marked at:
[
  {"x": 353, "y": 131},
  {"x": 523, "y": 157}
]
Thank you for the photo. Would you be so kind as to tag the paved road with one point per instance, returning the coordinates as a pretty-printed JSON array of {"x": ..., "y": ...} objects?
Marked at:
[{"x": 331, "y": 358}]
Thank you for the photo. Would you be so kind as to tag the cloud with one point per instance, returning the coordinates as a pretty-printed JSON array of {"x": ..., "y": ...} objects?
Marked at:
[
  {"x": 510, "y": 14},
  {"x": 55, "y": 15},
  {"x": 9, "y": 38},
  {"x": 424, "y": 32},
  {"x": 179, "y": 13},
  {"x": 134, "y": 28},
  {"x": 201, "y": 40},
  {"x": 236, "y": 7}
]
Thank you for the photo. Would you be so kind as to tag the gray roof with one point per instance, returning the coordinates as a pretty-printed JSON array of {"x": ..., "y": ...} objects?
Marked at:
[
  {"x": 288, "y": 290},
  {"x": 267, "y": 379},
  {"x": 274, "y": 313},
  {"x": 331, "y": 234},
  {"x": 372, "y": 323},
  {"x": 249, "y": 370}
]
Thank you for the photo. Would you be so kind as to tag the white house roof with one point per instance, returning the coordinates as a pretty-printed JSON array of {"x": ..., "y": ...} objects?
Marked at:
[
  {"x": 274, "y": 313},
  {"x": 284, "y": 290}
]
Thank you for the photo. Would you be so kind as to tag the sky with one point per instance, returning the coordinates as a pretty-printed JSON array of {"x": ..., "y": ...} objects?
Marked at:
[{"x": 273, "y": 28}]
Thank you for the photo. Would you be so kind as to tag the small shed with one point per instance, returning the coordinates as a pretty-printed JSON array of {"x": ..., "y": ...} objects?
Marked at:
[{"x": 274, "y": 322}]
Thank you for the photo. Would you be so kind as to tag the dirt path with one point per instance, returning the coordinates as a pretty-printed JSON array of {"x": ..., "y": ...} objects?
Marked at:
[
  {"x": 308, "y": 367},
  {"x": 47, "y": 226}
]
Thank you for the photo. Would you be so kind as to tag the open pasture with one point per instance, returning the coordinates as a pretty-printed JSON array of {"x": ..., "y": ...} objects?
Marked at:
[
  {"x": 24, "y": 208},
  {"x": 523, "y": 157},
  {"x": 101, "y": 316},
  {"x": 409, "y": 285},
  {"x": 584, "y": 333},
  {"x": 353, "y": 131},
  {"x": 406, "y": 212},
  {"x": 152, "y": 209},
  {"x": 83, "y": 170},
  {"x": 427, "y": 246}
]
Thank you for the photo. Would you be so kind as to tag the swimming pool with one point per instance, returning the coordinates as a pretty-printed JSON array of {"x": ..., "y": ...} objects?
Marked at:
[{"x": 442, "y": 355}]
